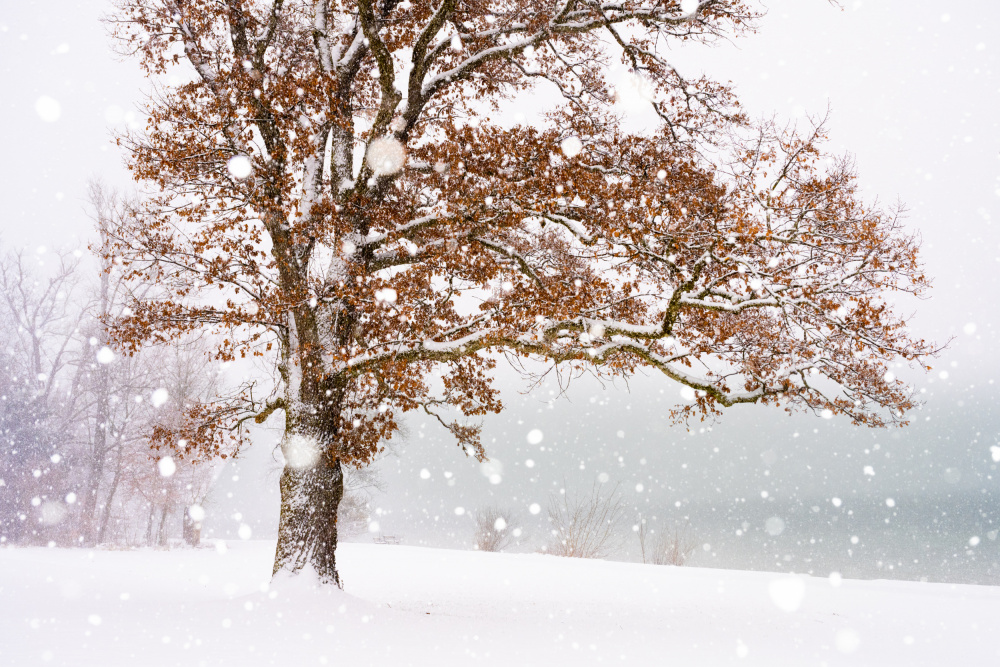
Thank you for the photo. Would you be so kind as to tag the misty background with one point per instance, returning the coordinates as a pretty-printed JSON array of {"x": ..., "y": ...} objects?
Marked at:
[{"x": 912, "y": 90}]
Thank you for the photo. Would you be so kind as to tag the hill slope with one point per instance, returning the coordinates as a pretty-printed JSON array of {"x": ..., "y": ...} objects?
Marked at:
[{"x": 416, "y": 606}]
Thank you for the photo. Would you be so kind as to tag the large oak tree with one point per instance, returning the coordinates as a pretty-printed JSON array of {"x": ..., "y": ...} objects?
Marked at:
[{"x": 327, "y": 191}]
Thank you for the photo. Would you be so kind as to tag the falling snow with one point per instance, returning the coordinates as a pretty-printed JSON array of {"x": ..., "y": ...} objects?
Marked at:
[
  {"x": 386, "y": 155},
  {"x": 239, "y": 166},
  {"x": 166, "y": 466},
  {"x": 571, "y": 146},
  {"x": 300, "y": 451},
  {"x": 159, "y": 397},
  {"x": 795, "y": 497},
  {"x": 48, "y": 109}
]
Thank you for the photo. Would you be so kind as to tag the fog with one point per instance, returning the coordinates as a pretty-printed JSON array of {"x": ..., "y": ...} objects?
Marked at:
[{"x": 912, "y": 90}]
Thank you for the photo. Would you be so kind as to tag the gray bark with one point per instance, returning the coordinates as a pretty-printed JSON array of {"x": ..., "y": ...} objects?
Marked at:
[
  {"x": 307, "y": 529},
  {"x": 103, "y": 530},
  {"x": 100, "y": 443},
  {"x": 192, "y": 531},
  {"x": 162, "y": 538}
]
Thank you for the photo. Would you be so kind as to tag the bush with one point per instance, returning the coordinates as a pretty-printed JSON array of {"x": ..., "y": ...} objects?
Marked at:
[
  {"x": 664, "y": 548},
  {"x": 353, "y": 513},
  {"x": 496, "y": 528},
  {"x": 586, "y": 526}
]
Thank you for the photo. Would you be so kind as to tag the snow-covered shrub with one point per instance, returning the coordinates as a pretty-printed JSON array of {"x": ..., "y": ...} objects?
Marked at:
[
  {"x": 354, "y": 511},
  {"x": 664, "y": 547},
  {"x": 495, "y": 528},
  {"x": 586, "y": 526}
]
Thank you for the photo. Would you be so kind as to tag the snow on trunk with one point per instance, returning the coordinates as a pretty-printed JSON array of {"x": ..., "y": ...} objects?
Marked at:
[{"x": 312, "y": 486}]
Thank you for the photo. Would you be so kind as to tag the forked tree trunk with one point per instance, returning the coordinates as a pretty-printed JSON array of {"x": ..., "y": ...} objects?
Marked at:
[{"x": 307, "y": 529}]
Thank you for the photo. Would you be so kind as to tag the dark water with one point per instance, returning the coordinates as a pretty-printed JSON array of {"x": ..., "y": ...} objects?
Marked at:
[{"x": 944, "y": 538}]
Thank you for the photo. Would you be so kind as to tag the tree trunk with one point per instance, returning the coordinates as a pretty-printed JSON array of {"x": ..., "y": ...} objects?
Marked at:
[
  {"x": 100, "y": 441},
  {"x": 192, "y": 531},
  {"x": 307, "y": 529},
  {"x": 149, "y": 524},
  {"x": 106, "y": 515},
  {"x": 162, "y": 539},
  {"x": 89, "y": 514},
  {"x": 312, "y": 482}
]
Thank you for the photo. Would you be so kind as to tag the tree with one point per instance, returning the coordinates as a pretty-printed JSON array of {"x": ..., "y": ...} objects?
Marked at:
[
  {"x": 119, "y": 400},
  {"x": 108, "y": 417},
  {"x": 330, "y": 194},
  {"x": 187, "y": 379},
  {"x": 113, "y": 426},
  {"x": 39, "y": 320},
  {"x": 163, "y": 485}
]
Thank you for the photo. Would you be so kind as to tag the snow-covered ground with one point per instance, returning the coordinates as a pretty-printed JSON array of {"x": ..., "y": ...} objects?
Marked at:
[{"x": 418, "y": 606}]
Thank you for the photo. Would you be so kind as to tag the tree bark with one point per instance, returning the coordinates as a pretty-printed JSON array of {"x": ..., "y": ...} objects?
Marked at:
[
  {"x": 307, "y": 529},
  {"x": 192, "y": 531},
  {"x": 94, "y": 475},
  {"x": 106, "y": 514},
  {"x": 162, "y": 539},
  {"x": 149, "y": 524},
  {"x": 100, "y": 442}
]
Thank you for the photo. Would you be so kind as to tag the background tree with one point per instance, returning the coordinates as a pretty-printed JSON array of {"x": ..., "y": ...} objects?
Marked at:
[
  {"x": 114, "y": 426},
  {"x": 188, "y": 378},
  {"x": 329, "y": 193},
  {"x": 114, "y": 402},
  {"x": 76, "y": 418},
  {"x": 106, "y": 383},
  {"x": 168, "y": 491},
  {"x": 39, "y": 319}
]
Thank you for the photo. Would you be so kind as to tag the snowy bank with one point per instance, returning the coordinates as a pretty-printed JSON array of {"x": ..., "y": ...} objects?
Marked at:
[{"x": 416, "y": 606}]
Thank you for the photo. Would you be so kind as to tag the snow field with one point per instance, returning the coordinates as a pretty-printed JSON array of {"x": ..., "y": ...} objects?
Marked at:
[{"x": 416, "y": 606}]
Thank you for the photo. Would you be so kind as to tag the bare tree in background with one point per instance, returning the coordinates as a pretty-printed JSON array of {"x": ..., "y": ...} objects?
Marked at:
[
  {"x": 495, "y": 528},
  {"x": 163, "y": 487},
  {"x": 130, "y": 398},
  {"x": 103, "y": 437},
  {"x": 188, "y": 378},
  {"x": 76, "y": 415},
  {"x": 197, "y": 480},
  {"x": 587, "y": 526},
  {"x": 663, "y": 547},
  {"x": 39, "y": 318},
  {"x": 162, "y": 493}
]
